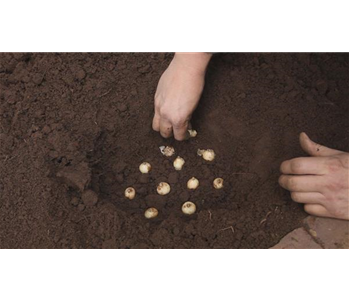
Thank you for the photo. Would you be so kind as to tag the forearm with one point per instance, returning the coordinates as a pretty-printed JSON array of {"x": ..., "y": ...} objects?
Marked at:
[{"x": 193, "y": 61}]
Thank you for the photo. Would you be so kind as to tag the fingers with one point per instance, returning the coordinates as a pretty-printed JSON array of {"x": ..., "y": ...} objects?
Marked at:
[
  {"x": 307, "y": 198},
  {"x": 302, "y": 183},
  {"x": 180, "y": 131},
  {"x": 315, "y": 149},
  {"x": 156, "y": 121},
  {"x": 316, "y": 210},
  {"x": 168, "y": 128},
  {"x": 165, "y": 128},
  {"x": 305, "y": 165}
]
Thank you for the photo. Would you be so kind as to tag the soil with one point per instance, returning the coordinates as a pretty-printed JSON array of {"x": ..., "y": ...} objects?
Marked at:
[{"x": 76, "y": 126}]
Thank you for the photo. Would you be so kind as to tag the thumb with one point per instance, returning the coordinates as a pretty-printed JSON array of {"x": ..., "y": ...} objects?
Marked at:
[{"x": 315, "y": 149}]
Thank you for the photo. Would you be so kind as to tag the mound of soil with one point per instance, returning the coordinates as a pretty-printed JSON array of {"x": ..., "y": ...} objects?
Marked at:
[{"x": 75, "y": 127}]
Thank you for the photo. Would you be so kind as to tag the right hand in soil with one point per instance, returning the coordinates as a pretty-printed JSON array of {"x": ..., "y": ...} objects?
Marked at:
[
  {"x": 178, "y": 94},
  {"x": 321, "y": 181}
]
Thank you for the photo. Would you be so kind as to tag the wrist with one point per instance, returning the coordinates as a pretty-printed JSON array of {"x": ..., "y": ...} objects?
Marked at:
[{"x": 195, "y": 62}]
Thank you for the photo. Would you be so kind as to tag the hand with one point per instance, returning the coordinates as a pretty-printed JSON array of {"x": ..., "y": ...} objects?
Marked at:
[
  {"x": 178, "y": 93},
  {"x": 321, "y": 181}
]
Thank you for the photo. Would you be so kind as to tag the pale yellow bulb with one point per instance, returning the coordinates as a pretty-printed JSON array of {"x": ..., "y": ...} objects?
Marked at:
[
  {"x": 163, "y": 188},
  {"x": 192, "y": 133},
  {"x": 130, "y": 193},
  {"x": 145, "y": 167},
  {"x": 208, "y": 154},
  {"x": 192, "y": 183},
  {"x": 151, "y": 213},
  {"x": 188, "y": 208},
  {"x": 218, "y": 183},
  {"x": 178, "y": 163},
  {"x": 167, "y": 151}
]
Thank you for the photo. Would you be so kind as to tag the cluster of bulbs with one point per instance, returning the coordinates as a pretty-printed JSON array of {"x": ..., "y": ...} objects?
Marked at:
[{"x": 164, "y": 188}]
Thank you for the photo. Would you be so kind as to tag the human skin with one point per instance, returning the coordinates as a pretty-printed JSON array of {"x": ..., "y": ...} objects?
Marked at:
[
  {"x": 320, "y": 181},
  {"x": 178, "y": 94}
]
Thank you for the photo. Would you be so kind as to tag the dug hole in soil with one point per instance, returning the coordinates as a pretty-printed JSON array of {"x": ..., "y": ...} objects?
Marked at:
[{"x": 75, "y": 127}]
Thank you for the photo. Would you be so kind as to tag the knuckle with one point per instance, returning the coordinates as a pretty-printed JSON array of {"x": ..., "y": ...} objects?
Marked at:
[
  {"x": 329, "y": 198},
  {"x": 164, "y": 112},
  {"x": 164, "y": 115},
  {"x": 178, "y": 125},
  {"x": 178, "y": 122},
  {"x": 334, "y": 164},
  {"x": 333, "y": 185}
]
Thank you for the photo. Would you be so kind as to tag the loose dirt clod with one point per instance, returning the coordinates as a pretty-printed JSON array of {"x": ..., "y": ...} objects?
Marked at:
[
  {"x": 75, "y": 201},
  {"x": 81, "y": 207},
  {"x": 89, "y": 198},
  {"x": 77, "y": 177}
]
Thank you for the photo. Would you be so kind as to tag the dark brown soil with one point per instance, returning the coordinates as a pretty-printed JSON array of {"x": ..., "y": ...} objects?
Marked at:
[{"x": 75, "y": 127}]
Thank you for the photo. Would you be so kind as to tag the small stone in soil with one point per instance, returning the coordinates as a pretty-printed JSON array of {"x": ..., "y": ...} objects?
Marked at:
[
  {"x": 80, "y": 74},
  {"x": 81, "y": 207},
  {"x": 89, "y": 198},
  {"x": 37, "y": 78},
  {"x": 53, "y": 154},
  {"x": 122, "y": 107},
  {"x": 75, "y": 201},
  {"x": 46, "y": 129}
]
